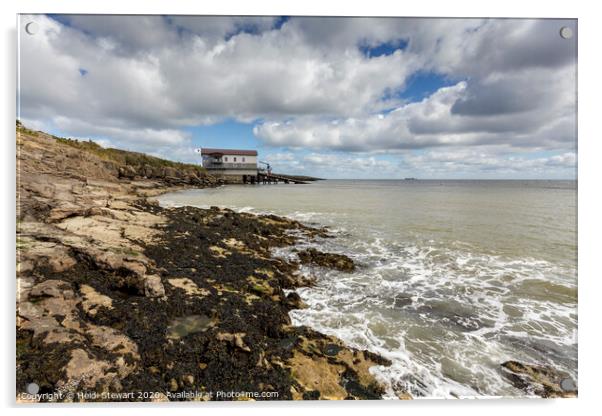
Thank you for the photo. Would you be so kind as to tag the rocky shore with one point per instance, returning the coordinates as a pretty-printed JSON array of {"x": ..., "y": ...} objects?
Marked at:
[{"x": 119, "y": 299}]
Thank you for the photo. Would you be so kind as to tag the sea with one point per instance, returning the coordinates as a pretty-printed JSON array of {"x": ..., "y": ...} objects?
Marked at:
[{"x": 453, "y": 278}]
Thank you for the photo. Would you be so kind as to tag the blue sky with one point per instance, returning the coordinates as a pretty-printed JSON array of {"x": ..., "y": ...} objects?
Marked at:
[
  {"x": 332, "y": 97},
  {"x": 233, "y": 134}
]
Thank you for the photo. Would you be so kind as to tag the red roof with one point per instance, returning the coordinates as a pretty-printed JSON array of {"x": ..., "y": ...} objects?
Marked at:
[{"x": 236, "y": 152}]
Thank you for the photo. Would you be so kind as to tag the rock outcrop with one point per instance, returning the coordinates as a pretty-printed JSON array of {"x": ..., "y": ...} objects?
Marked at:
[
  {"x": 118, "y": 295},
  {"x": 540, "y": 381},
  {"x": 329, "y": 260}
]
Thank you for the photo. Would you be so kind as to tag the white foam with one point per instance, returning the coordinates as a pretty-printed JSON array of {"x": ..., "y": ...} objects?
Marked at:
[
  {"x": 346, "y": 305},
  {"x": 401, "y": 301}
]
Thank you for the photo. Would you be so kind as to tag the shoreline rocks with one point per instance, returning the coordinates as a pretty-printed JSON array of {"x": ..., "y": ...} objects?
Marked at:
[
  {"x": 329, "y": 260},
  {"x": 536, "y": 380},
  {"x": 118, "y": 295}
]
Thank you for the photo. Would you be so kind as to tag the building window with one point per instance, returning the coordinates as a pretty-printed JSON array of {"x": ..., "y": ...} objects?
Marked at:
[
  {"x": 243, "y": 159},
  {"x": 226, "y": 159},
  {"x": 235, "y": 158}
]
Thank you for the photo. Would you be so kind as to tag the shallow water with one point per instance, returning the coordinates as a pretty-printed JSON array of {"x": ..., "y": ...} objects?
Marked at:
[{"x": 454, "y": 277}]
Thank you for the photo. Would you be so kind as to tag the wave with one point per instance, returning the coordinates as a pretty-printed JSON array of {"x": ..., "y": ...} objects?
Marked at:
[{"x": 445, "y": 316}]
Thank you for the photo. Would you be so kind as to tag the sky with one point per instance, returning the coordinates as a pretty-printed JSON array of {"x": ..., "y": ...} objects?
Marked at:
[{"x": 330, "y": 97}]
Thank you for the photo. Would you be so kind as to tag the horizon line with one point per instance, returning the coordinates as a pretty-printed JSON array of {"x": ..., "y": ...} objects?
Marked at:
[{"x": 447, "y": 179}]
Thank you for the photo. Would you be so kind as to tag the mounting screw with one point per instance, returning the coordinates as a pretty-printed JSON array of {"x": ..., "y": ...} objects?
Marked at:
[
  {"x": 566, "y": 32},
  {"x": 32, "y": 388},
  {"x": 567, "y": 384},
  {"x": 31, "y": 28}
]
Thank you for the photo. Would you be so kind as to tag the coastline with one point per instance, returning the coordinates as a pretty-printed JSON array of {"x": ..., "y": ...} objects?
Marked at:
[
  {"x": 116, "y": 295},
  {"x": 119, "y": 299}
]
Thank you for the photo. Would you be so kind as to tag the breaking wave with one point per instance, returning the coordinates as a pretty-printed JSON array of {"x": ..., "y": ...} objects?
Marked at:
[{"x": 446, "y": 312}]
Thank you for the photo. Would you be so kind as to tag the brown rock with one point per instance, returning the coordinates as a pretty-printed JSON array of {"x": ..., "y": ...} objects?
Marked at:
[
  {"x": 293, "y": 300},
  {"x": 329, "y": 260},
  {"x": 317, "y": 374},
  {"x": 173, "y": 385},
  {"x": 325, "y": 368},
  {"x": 92, "y": 301},
  {"x": 86, "y": 371},
  {"x": 236, "y": 339},
  {"x": 188, "y": 286},
  {"x": 538, "y": 380},
  {"x": 127, "y": 172},
  {"x": 112, "y": 340},
  {"x": 52, "y": 288},
  {"x": 153, "y": 288}
]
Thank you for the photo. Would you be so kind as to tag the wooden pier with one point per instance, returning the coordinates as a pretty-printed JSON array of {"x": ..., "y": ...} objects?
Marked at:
[{"x": 272, "y": 178}]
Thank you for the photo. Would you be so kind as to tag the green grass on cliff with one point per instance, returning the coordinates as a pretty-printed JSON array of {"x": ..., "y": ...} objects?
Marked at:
[
  {"x": 125, "y": 157},
  {"x": 119, "y": 156}
]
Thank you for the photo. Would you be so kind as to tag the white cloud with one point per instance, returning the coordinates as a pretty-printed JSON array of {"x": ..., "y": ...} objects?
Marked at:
[
  {"x": 433, "y": 123},
  {"x": 304, "y": 84},
  {"x": 438, "y": 163},
  {"x": 468, "y": 160},
  {"x": 144, "y": 139},
  {"x": 348, "y": 163},
  {"x": 281, "y": 157},
  {"x": 184, "y": 79}
]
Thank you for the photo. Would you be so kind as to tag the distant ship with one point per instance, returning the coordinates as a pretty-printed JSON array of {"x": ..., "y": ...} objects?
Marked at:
[{"x": 410, "y": 179}]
